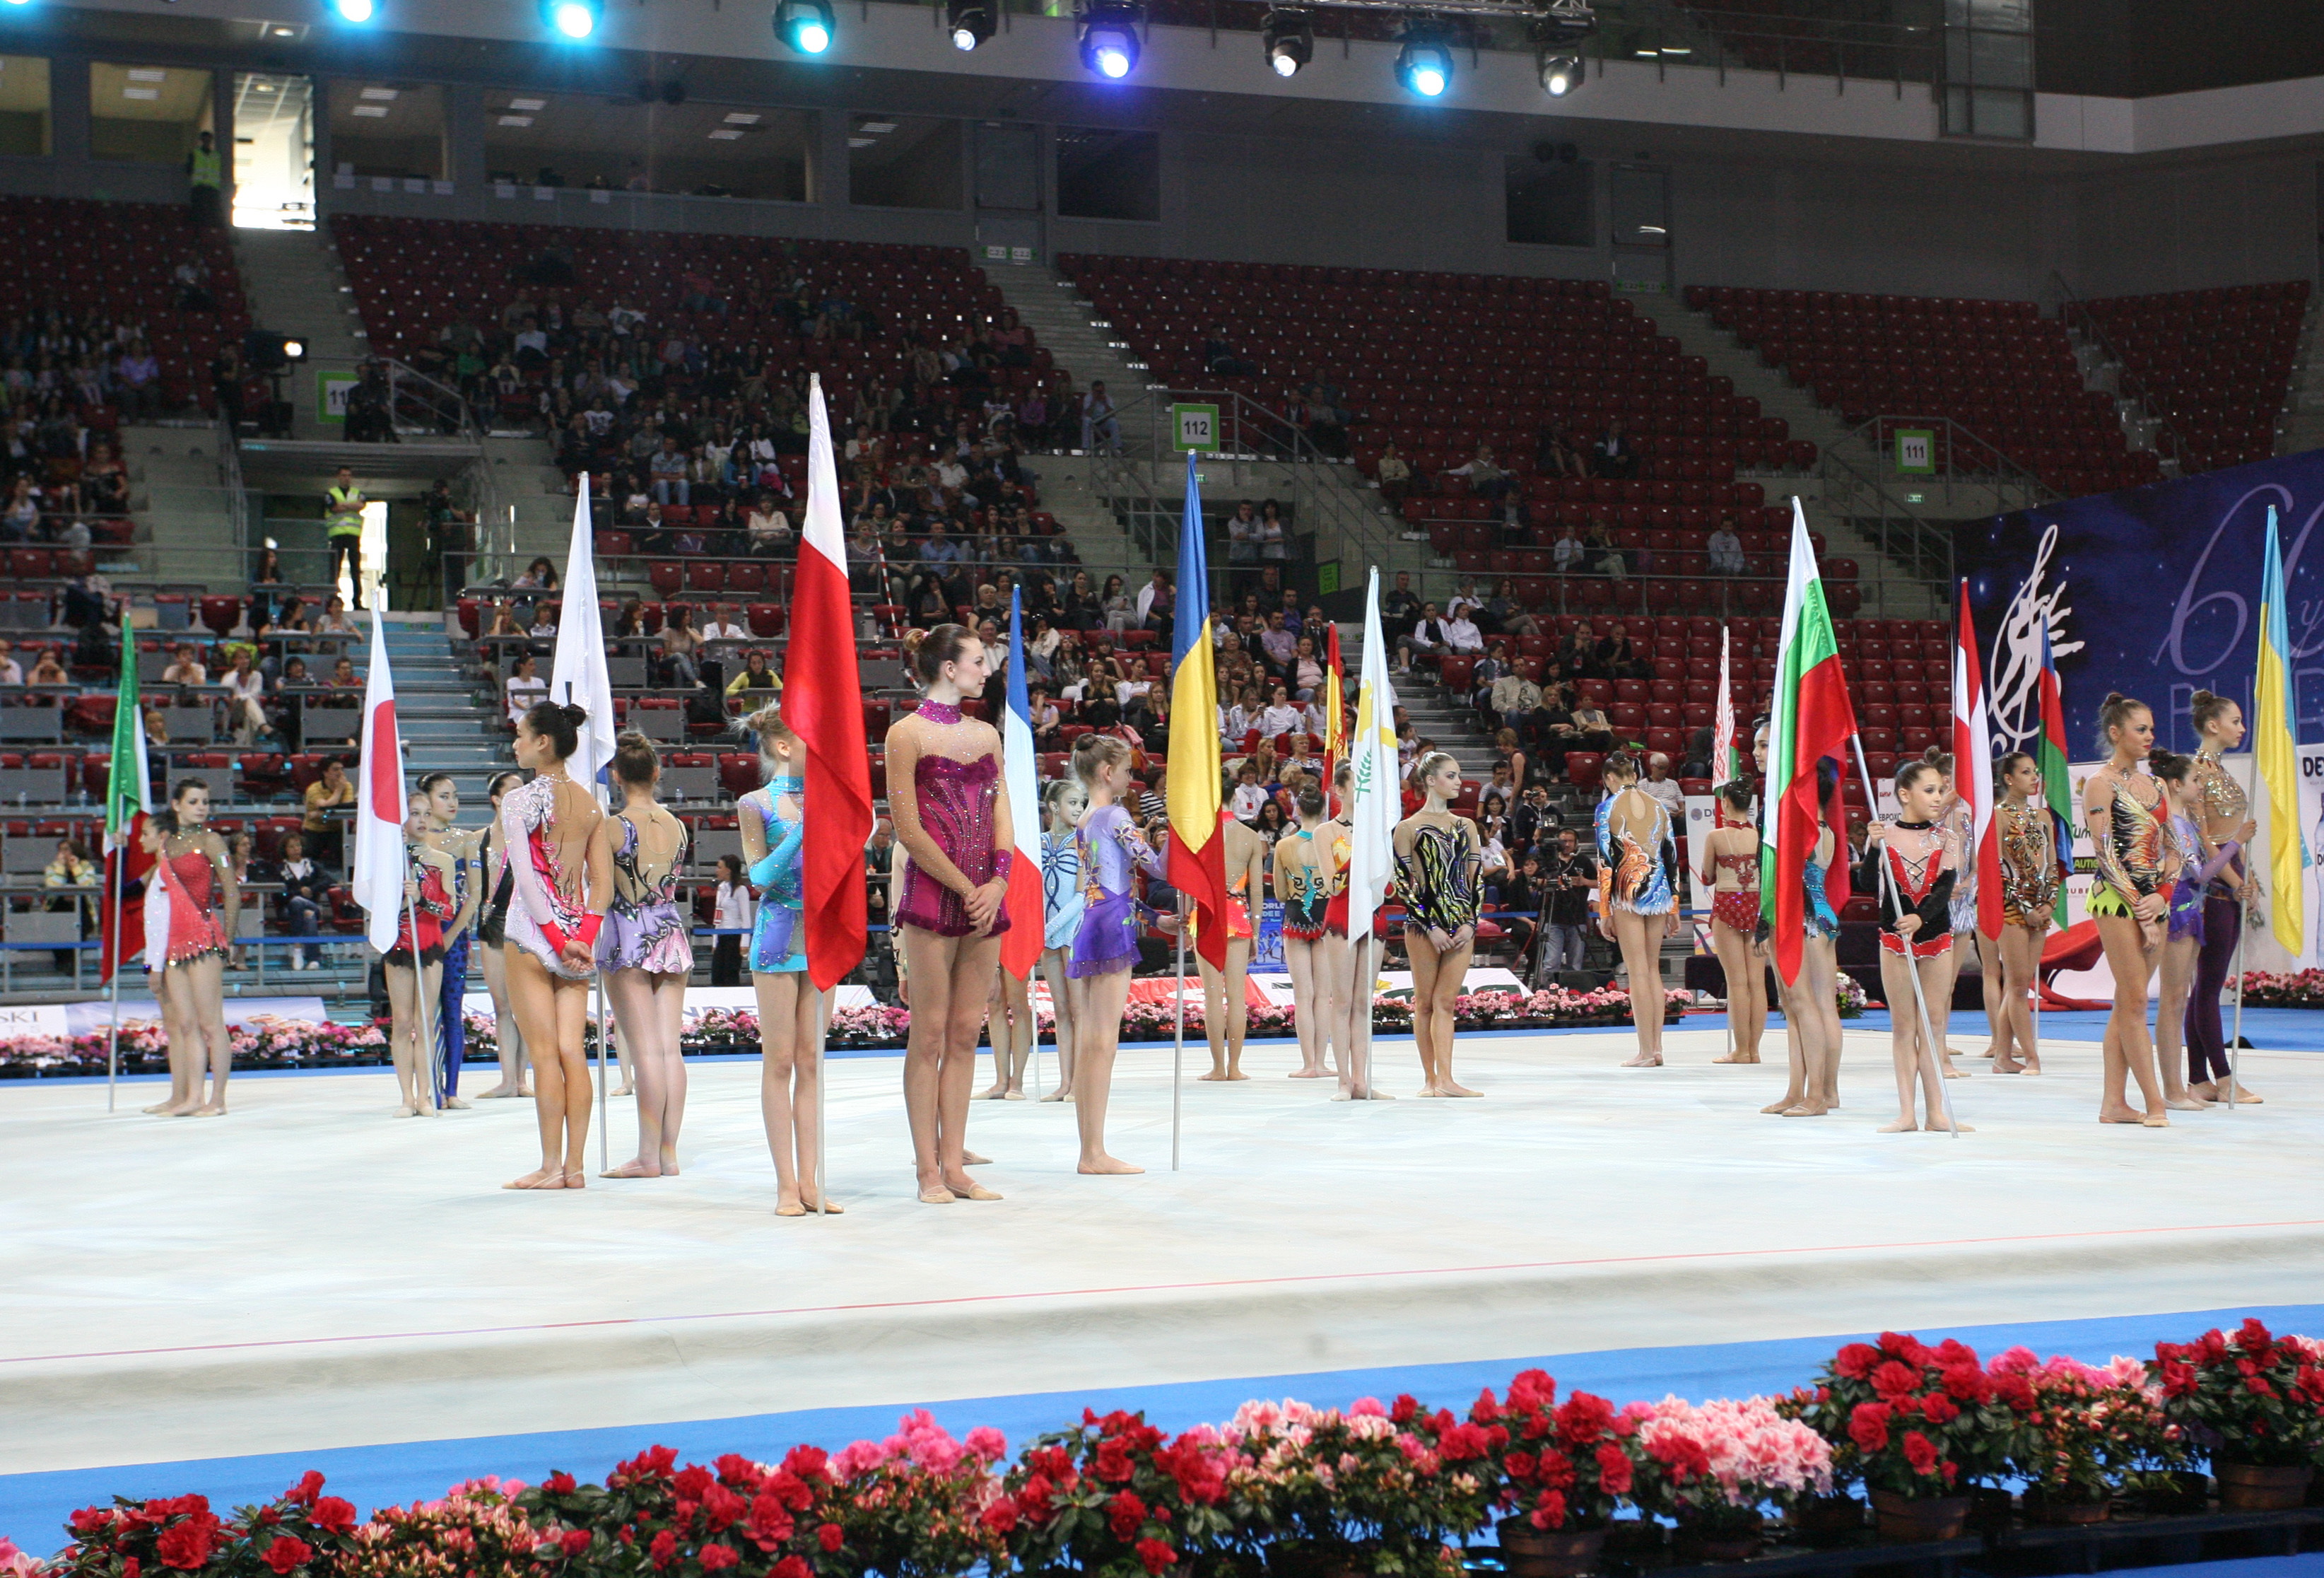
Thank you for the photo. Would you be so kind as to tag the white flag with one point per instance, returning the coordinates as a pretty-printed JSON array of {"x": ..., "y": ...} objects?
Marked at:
[
  {"x": 578, "y": 676},
  {"x": 1374, "y": 800},
  {"x": 376, "y": 876}
]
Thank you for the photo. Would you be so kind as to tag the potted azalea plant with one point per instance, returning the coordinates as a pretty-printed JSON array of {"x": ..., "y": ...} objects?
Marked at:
[
  {"x": 1562, "y": 1471},
  {"x": 2088, "y": 1434},
  {"x": 2256, "y": 1402},
  {"x": 1712, "y": 1467},
  {"x": 1116, "y": 1497},
  {"x": 1385, "y": 1490},
  {"x": 1918, "y": 1425}
]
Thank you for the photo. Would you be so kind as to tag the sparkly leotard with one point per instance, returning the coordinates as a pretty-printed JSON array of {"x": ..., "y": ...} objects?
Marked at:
[
  {"x": 1918, "y": 885},
  {"x": 644, "y": 928},
  {"x": 955, "y": 799},
  {"x": 1817, "y": 920},
  {"x": 433, "y": 906},
  {"x": 196, "y": 931},
  {"x": 1438, "y": 880},
  {"x": 781, "y": 882},
  {"x": 1738, "y": 906},
  {"x": 2029, "y": 866},
  {"x": 1110, "y": 849},
  {"x": 1630, "y": 877},
  {"x": 1061, "y": 889},
  {"x": 1306, "y": 886},
  {"x": 2130, "y": 853},
  {"x": 2223, "y": 801},
  {"x": 544, "y": 914},
  {"x": 1335, "y": 907}
]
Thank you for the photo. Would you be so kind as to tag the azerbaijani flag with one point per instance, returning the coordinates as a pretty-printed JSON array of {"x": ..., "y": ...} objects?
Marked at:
[
  {"x": 1724, "y": 768},
  {"x": 128, "y": 802},
  {"x": 2050, "y": 755},
  {"x": 823, "y": 702},
  {"x": 2280, "y": 853},
  {"x": 1973, "y": 769},
  {"x": 1335, "y": 723},
  {"x": 1198, "y": 857},
  {"x": 1812, "y": 720},
  {"x": 1020, "y": 944}
]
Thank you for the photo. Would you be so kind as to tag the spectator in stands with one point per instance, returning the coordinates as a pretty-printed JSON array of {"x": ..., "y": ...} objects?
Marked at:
[
  {"x": 1100, "y": 429},
  {"x": 524, "y": 689},
  {"x": 1277, "y": 646},
  {"x": 723, "y": 626},
  {"x": 1659, "y": 783},
  {"x": 48, "y": 670},
  {"x": 1220, "y": 360},
  {"x": 679, "y": 642},
  {"x": 245, "y": 700},
  {"x": 335, "y": 620},
  {"x": 1617, "y": 658},
  {"x": 1613, "y": 455},
  {"x": 1461, "y": 636},
  {"x": 544, "y": 623},
  {"x": 192, "y": 279},
  {"x": 1242, "y": 534},
  {"x": 1158, "y": 603},
  {"x": 1511, "y": 701},
  {"x": 1553, "y": 730},
  {"x": 20, "y": 518},
  {"x": 304, "y": 886},
  {"x": 1577, "y": 653},
  {"x": 1428, "y": 639},
  {"x": 137, "y": 384},
  {"x": 1568, "y": 552},
  {"x": 10, "y": 673},
  {"x": 1238, "y": 719},
  {"x": 1483, "y": 473},
  {"x": 1274, "y": 538},
  {"x": 1505, "y": 613},
  {"x": 1400, "y": 608},
  {"x": 1591, "y": 732},
  {"x": 1726, "y": 552},
  {"x": 753, "y": 680},
  {"x": 1395, "y": 475},
  {"x": 1603, "y": 557},
  {"x": 1699, "y": 746},
  {"x": 1532, "y": 821},
  {"x": 1280, "y": 716},
  {"x": 668, "y": 469},
  {"x": 186, "y": 668},
  {"x": 69, "y": 872},
  {"x": 1553, "y": 456},
  {"x": 769, "y": 529},
  {"x": 103, "y": 481},
  {"x": 330, "y": 792}
]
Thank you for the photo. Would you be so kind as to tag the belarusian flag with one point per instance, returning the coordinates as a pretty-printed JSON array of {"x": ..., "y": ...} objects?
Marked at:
[
  {"x": 1811, "y": 720},
  {"x": 2050, "y": 756},
  {"x": 128, "y": 802}
]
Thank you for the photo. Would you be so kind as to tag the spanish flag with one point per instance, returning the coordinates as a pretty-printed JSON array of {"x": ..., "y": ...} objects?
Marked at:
[
  {"x": 1190, "y": 787},
  {"x": 2279, "y": 853},
  {"x": 1335, "y": 723}
]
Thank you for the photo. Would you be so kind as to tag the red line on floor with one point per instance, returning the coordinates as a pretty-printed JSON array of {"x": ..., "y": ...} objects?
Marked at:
[{"x": 1163, "y": 1287}]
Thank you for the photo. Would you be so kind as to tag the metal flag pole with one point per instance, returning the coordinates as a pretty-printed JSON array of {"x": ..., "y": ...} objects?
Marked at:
[
  {"x": 2235, "y": 1037},
  {"x": 1912, "y": 964},
  {"x": 1359, "y": 1023},
  {"x": 113, "y": 1033},
  {"x": 1178, "y": 1044},
  {"x": 418, "y": 981},
  {"x": 822, "y": 1033}
]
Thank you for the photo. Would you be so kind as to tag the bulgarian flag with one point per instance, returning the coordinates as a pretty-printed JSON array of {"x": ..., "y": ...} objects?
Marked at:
[
  {"x": 128, "y": 802},
  {"x": 2050, "y": 756},
  {"x": 1198, "y": 858},
  {"x": 1020, "y": 944},
  {"x": 1973, "y": 769},
  {"x": 823, "y": 702},
  {"x": 1811, "y": 720}
]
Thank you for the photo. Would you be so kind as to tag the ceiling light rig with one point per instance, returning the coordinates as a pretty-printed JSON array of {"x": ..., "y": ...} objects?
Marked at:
[
  {"x": 1288, "y": 37},
  {"x": 806, "y": 25},
  {"x": 1110, "y": 40},
  {"x": 969, "y": 23},
  {"x": 1559, "y": 33}
]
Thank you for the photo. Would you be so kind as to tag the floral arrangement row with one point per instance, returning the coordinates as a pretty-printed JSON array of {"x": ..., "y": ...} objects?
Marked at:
[
  {"x": 2268, "y": 989},
  {"x": 1391, "y": 1489},
  {"x": 286, "y": 1043}
]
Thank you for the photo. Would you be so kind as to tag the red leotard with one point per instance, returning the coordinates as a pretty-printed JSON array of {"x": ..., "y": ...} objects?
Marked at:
[{"x": 196, "y": 931}]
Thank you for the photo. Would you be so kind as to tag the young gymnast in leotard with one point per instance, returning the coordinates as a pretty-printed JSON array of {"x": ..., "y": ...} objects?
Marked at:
[
  {"x": 1062, "y": 805},
  {"x": 551, "y": 948},
  {"x": 455, "y": 852},
  {"x": 1437, "y": 863},
  {"x": 2223, "y": 811},
  {"x": 2031, "y": 875},
  {"x": 1638, "y": 895},
  {"x": 646, "y": 949},
  {"x": 414, "y": 968},
  {"x": 180, "y": 1044},
  {"x": 1226, "y": 1008},
  {"x": 1812, "y": 1003},
  {"x": 1305, "y": 868},
  {"x": 493, "y": 887},
  {"x": 1732, "y": 849},
  {"x": 1917, "y": 860},
  {"x": 2192, "y": 863},
  {"x": 206, "y": 907},
  {"x": 2123, "y": 808},
  {"x": 1111, "y": 850}
]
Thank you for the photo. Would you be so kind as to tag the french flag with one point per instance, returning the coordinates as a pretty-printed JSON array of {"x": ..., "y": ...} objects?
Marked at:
[
  {"x": 1020, "y": 944},
  {"x": 375, "y": 877},
  {"x": 823, "y": 702}
]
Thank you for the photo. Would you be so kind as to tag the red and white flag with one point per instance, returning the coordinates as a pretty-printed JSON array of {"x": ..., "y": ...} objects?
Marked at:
[
  {"x": 823, "y": 702},
  {"x": 376, "y": 876},
  {"x": 1722, "y": 725},
  {"x": 1973, "y": 771}
]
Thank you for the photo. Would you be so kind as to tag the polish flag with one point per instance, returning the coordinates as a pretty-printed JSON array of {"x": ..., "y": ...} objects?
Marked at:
[
  {"x": 375, "y": 877},
  {"x": 823, "y": 702},
  {"x": 1973, "y": 771},
  {"x": 1020, "y": 944}
]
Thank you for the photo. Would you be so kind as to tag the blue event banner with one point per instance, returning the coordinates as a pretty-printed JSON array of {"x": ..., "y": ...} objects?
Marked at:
[{"x": 2153, "y": 591}]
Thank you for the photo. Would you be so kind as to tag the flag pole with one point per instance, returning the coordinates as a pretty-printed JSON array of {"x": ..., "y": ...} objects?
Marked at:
[
  {"x": 2235, "y": 1038},
  {"x": 1913, "y": 965},
  {"x": 1178, "y": 1042},
  {"x": 419, "y": 981},
  {"x": 822, "y": 1034},
  {"x": 113, "y": 1031}
]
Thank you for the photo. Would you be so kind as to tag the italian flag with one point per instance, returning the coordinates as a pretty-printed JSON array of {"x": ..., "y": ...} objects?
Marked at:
[{"x": 1811, "y": 720}]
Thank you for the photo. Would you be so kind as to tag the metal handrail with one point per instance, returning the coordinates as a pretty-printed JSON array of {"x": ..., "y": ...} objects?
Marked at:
[
  {"x": 2128, "y": 385},
  {"x": 1995, "y": 469},
  {"x": 230, "y": 479}
]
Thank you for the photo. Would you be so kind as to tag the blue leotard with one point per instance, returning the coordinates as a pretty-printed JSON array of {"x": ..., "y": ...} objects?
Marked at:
[{"x": 774, "y": 935}]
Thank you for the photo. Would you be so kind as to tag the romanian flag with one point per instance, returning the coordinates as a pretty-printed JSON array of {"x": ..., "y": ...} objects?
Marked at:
[
  {"x": 1335, "y": 724},
  {"x": 1198, "y": 859},
  {"x": 1812, "y": 720},
  {"x": 2050, "y": 756},
  {"x": 2279, "y": 854}
]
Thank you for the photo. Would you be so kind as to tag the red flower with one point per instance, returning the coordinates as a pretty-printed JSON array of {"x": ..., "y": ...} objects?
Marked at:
[
  {"x": 770, "y": 1520},
  {"x": 1155, "y": 1555},
  {"x": 719, "y": 1507},
  {"x": 1583, "y": 1418},
  {"x": 999, "y": 1516},
  {"x": 1113, "y": 1464},
  {"x": 2257, "y": 1386},
  {"x": 309, "y": 1486},
  {"x": 1919, "y": 1451},
  {"x": 1893, "y": 1380},
  {"x": 1867, "y": 1426},
  {"x": 1125, "y": 1513},
  {"x": 1613, "y": 1469},
  {"x": 2254, "y": 1337},
  {"x": 792, "y": 1568},
  {"x": 1968, "y": 1383},
  {"x": 2178, "y": 1380},
  {"x": 189, "y": 1545},
  {"x": 1460, "y": 1443},
  {"x": 830, "y": 1536},
  {"x": 1549, "y": 1512},
  {"x": 90, "y": 1520},
  {"x": 573, "y": 1541},
  {"x": 652, "y": 1464},
  {"x": 1855, "y": 1361},
  {"x": 335, "y": 1513},
  {"x": 286, "y": 1552},
  {"x": 809, "y": 1462},
  {"x": 717, "y": 1558},
  {"x": 1406, "y": 1406},
  {"x": 693, "y": 1480},
  {"x": 559, "y": 1483},
  {"x": 1485, "y": 1410},
  {"x": 664, "y": 1548},
  {"x": 1940, "y": 1408}
]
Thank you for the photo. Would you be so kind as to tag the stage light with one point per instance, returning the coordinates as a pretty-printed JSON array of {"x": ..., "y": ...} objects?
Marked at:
[
  {"x": 1424, "y": 65},
  {"x": 1557, "y": 36},
  {"x": 806, "y": 25},
  {"x": 1110, "y": 40},
  {"x": 571, "y": 19},
  {"x": 1560, "y": 74},
  {"x": 1289, "y": 39},
  {"x": 356, "y": 11},
  {"x": 294, "y": 350},
  {"x": 970, "y": 23}
]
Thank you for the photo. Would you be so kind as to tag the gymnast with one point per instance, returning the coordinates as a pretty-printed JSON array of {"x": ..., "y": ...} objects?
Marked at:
[
  {"x": 1438, "y": 861},
  {"x": 1637, "y": 894},
  {"x": 2122, "y": 810}
]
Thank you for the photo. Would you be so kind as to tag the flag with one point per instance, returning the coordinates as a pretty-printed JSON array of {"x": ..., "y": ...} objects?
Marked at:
[
  {"x": 1335, "y": 723},
  {"x": 1973, "y": 770},
  {"x": 376, "y": 876},
  {"x": 128, "y": 802},
  {"x": 1724, "y": 768},
  {"x": 1198, "y": 859},
  {"x": 2050, "y": 756},
  {"x": 1375, "y": 804},
  {"x": 823, "y": 702},
  {"x": 2279, "y": 852},
  {"x": 1811, "y": 720},
  {"x": 1020, "y": 945},
  {"x": 577, "y": 676}
]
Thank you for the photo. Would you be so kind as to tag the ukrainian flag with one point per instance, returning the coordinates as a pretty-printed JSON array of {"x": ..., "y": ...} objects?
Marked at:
[{"x": 2279, "y": 854}]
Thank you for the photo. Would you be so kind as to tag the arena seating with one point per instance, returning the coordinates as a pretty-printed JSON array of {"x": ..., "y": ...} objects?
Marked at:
[
  {"x": 2214, "y": 364},
  {"x": 1999, "y": 368}
]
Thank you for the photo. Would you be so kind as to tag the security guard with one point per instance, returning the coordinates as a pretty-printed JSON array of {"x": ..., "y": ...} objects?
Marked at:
[
  {"x": 204, "y": 180},
  {"x": 343, "y": 509}
]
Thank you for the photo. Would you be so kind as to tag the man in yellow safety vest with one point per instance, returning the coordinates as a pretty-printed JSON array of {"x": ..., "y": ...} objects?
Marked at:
[
  {"x": 343, "y": 518},
  {"x": 203, "y": 180}
]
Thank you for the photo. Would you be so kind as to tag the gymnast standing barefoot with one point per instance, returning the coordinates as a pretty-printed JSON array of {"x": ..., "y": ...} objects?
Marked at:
[
  {"x": 1732, "y": 850},
  {"x": 2123, "y": 808},
  {"x": 1111, "y": 850},
  {"x": 456, "y": 852},
  {"x": 2192, "y": 862},
  {"x": 944, "y": 772},
  {"x": 202, "y": 891},
  {"x": 1637, "y": 893},
  {"x": 1062, "y": 805},
  {"x": 2223, "y": 812},
  {"x": 1357, "y": 974},
  {"x": 493, "y": 886},
  {"x": 180, "y": 1044},
  {"x": 1226, "y": 1007},
  {"x": 1302, "y": 886},
  {"x": 1437, "y": 862},
  {"x": 1811, "y": 1002},
  {"x": 646, "y": 949},
  {"x": 2030, "y": 873},
  {"x": 549, "y": 825},
  {"x": 414, "y": 968},
  {"x": 1917, "y": 890}
]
